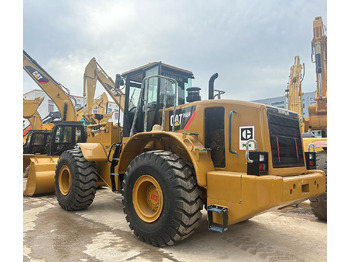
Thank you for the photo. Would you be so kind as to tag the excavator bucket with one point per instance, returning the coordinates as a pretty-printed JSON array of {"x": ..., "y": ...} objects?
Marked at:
[{"x": 41, "y": 175}]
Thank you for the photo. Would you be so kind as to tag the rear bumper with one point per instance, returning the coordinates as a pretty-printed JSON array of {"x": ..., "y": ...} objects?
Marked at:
[
  {"x": 304, "y": 186},
  {"x": 246, "y": 195}
]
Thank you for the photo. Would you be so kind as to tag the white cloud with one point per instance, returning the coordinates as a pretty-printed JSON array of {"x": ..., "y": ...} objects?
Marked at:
[{"x": 251, "y": 44}]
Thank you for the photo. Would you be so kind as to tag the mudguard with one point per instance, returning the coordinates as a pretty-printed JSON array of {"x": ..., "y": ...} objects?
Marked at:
[
  {"x": 93, "y": 151},
  {"x": 185, "y": 145}
]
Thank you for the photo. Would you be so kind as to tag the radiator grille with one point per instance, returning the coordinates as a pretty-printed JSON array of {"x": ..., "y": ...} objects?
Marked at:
[{"x": 286, "y": 144}]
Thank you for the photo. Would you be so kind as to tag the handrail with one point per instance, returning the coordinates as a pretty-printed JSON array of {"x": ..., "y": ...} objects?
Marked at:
[{"x": 229, "y": 132}]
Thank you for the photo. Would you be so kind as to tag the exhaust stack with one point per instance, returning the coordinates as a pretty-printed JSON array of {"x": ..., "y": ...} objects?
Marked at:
[{"x": 211, "y": 85}]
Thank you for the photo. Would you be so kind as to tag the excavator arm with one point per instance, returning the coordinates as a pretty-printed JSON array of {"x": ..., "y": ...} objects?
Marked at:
[
  {"x": 318, "y": 111},
  {"x": 294, "y": 93},
  {"x": 101, "y": 103},
  {"x": 52, "y": 88},
  {"x": 94, "y": 72},
  {"x": 35, "y": 121}
]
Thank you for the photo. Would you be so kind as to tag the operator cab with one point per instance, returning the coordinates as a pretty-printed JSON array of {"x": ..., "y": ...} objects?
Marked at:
[
  {"x": 156, "y": 90},
  {"x": 36, "y": 142},
  {"x": 65, "y": 135}
]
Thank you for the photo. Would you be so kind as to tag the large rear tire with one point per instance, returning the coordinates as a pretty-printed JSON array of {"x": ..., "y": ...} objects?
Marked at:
[
  {"x": 161, "y": 198},
  {"x": 75, "y": 181},
  {"x": 319, "y": 204}
]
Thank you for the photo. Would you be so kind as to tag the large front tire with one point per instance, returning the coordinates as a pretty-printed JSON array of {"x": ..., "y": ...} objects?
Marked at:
[
  {"x": 75, "y": 181},
  {"x": 319, "y": 204},
  {"x": 161, "y": 198}
]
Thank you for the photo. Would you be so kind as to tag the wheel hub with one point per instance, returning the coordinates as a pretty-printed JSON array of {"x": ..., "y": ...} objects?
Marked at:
[
  {"x": 147, "y": 198},
  {"x": 65, "y": 180}
]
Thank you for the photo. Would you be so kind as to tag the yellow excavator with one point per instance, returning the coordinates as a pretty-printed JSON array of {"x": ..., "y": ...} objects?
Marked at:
[
  {"x": 43, "y": 147},
  {"x": 177, "y": 154},
  {"x": 294, "y": 96},
  {"x": 36, "y": 123},
  {"x": 294, "y": 93},
  {"x": 318, "y": 111},
  {"x": 317, "y": 120},
  {"x": 35, "y": 153}
]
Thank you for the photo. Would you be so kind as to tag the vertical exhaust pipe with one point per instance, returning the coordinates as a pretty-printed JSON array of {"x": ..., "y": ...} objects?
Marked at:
[{"x": 211, "y": 85}]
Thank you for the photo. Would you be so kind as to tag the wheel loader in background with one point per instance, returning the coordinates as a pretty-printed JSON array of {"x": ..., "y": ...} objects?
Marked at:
[
  {"x": 42, "y": 148},
  {"x": 176, "y": 154}
]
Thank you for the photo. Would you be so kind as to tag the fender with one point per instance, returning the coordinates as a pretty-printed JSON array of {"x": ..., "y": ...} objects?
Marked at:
[
  {"x": 93, "y": 151},
  {"x": 185, "y": 145}
]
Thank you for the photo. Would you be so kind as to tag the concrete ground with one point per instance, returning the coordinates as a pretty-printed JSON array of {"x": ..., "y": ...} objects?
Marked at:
[{"x": 101, "y": 233}]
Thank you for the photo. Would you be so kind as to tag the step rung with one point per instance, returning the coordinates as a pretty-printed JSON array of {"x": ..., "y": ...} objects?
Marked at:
[{"x": 220, "y": 210}]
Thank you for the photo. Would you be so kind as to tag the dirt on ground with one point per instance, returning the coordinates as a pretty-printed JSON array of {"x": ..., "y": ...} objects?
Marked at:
[{"x": 101, "y": 233}]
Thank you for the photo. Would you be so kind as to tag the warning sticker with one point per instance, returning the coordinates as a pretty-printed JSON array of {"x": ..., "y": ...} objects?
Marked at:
[{"x": 246, "y": 133}]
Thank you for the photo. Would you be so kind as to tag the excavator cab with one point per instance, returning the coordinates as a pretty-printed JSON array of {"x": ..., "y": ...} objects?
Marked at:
[
  {"x": 153, "y": 100},
  {"x": 65, "y": 135},
  {"x": 36, "y": 142}
]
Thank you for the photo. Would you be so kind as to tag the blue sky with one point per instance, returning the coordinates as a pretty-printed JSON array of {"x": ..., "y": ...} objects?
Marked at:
[{"x": 250, "y": 44}]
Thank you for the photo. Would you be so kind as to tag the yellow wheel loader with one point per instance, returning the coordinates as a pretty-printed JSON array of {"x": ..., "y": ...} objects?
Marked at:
[
  {"x": 41, "y": 153},
  {"x": 177, "y": 154}
]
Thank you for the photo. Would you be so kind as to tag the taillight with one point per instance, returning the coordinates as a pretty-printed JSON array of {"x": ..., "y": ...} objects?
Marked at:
[
  {"x": 258, "y": 165},
  {"x": 310, "y": 158},
  {"x": 262, "y": 167}
]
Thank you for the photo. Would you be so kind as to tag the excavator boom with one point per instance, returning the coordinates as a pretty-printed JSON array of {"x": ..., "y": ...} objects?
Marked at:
[
  {"x": 52, "y": 88},
  {"x": 318, "y": 111}
]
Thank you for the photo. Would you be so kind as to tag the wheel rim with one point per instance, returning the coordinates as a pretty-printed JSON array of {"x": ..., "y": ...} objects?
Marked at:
[
  {"x": 147, "y": 197},
  {"x": 65, "y": 180}
]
